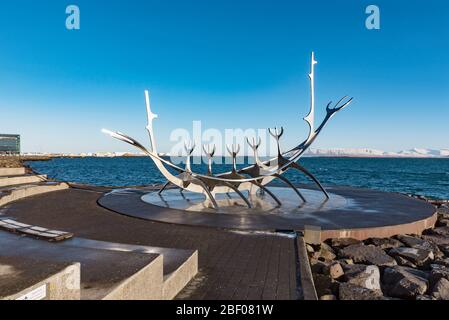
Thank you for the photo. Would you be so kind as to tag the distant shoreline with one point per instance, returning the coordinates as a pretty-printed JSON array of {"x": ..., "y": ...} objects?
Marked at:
[{"x": 50, "y": 157}]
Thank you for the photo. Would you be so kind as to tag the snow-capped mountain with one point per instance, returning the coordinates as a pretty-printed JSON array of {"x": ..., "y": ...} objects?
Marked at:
[{"x": 365, "y": 152}]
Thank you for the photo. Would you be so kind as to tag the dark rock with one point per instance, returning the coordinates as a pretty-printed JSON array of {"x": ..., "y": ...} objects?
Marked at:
[
  {"x": 334, "y": 270},
  {"x": 325, "y": 252},
  {"x": 370, "y": 254},
  {"x": 318, "y": 266},
  {"x": 384, "y": 243},
  {"x": 441, "y": 289},
  {"x": 324, "y": 284},
  {"x": 343, "y": 242},
  {"x": 443, "y": 212},
  {"x": 418, "y": 243},
  {"x": 363, "y": 276},
  {"x": 436, "y": 239},
  {"x": 441, "y": 231},
  {"x": 438, "y": 272},
  {"x": 404, "y": 282},
  {"x": 445, "y": 249},
  {"x": 349, "y": 291},
  {"x": 419, "y": 257},
  {"x": 443, "y": 262},
  {"x": 442, "y": 223},
  {"x": 404, "y": 262}
]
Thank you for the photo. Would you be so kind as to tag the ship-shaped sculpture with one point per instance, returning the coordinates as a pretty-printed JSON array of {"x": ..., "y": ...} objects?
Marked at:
[{"x": 251, "y": 179}]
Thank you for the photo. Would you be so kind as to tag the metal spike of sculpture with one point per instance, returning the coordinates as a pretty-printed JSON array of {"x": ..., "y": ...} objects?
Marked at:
[{"x": 252, "y": 178}]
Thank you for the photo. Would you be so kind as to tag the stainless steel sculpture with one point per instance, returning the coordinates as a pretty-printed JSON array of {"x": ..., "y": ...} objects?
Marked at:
[{"x": 252, "y": 178}]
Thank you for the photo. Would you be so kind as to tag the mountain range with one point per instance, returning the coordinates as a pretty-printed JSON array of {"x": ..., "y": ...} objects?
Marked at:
[{"x": 364, "y": 152}]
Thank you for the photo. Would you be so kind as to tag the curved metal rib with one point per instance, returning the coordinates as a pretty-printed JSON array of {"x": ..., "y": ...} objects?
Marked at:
[
  {"x": 265, "y": 189},
  {"x": 164, "y": 187},
  {"x": 291, "y": 186},
  {"x": 311, "y": 176},
  {"x": 209, "y": 195},
  {"x": 236, "y": 190}
]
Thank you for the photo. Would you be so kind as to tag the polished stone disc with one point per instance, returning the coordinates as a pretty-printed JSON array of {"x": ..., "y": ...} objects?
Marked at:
[{"x": 349, "y": 211}]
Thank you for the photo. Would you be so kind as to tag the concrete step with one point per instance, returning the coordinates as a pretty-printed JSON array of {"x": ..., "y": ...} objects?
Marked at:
[
  {"x": 179, "y": 266},
  {"x": 11, "y": 172},
  {"x": 21, "y": 179},
  {"x": 20, "y": 191},
  {"x": 108, "y": 270}
]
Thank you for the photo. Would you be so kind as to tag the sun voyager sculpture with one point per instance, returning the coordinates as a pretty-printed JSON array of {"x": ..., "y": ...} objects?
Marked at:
[{"x": 251, "y": 179}]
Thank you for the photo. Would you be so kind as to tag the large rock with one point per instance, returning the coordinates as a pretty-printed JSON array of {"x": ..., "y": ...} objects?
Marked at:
[
  {"x": 404, "y": 282},
  {"x": 384, "y": 243},
  {"x": 410, "y": 240},
  {"x": 363, "y": 276},
  {"x": 342, "y": 242},
  {"x": 325, "y": 285},
  {"x": 419, "y": 257},
  {"x": 441, "y": 289},
  {"x": 418, "y": 243},
  {"x": 367, "y": 254},
  {"x": 349, "y": 291},
  {"x": 436, "y": 239},
  {"x": 438, "y": 272}
]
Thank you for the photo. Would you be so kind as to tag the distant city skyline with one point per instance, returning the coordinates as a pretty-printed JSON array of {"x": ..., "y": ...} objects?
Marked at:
[{"x": 210, "y": 61}]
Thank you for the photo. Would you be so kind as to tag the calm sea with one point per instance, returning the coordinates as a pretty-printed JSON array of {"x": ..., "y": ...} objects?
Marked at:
[{"x": 428, "y": 177}]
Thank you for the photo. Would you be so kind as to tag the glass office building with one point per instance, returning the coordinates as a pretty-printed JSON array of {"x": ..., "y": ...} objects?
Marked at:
[{"x": 9, "y": 144}]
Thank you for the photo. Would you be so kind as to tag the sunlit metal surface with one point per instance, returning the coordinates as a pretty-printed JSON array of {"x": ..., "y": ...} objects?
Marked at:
[{"x": 251, "y": 179}]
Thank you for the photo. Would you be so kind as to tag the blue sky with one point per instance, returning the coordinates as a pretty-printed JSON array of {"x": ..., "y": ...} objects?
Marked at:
[{"x": 231, "y": 64}]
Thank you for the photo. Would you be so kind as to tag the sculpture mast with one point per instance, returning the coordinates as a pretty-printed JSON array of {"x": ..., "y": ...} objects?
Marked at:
[
  {"x": 310, "y": 118},
  {"x": 151, "y": 116}
]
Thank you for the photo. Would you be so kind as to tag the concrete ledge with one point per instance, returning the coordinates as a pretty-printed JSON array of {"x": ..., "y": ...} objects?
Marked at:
[
  {"x": 178, "y": 279},
  {"x": 416, "y": 227},
  {"x": 146, "y": 284},
  {"x": 21, "y": 193},
  {"x": 30, "y": 279},
  {"x": 15, "y": 180},
  {"x": 11, "y": 171},
  {"x": 306, "y": 277}
]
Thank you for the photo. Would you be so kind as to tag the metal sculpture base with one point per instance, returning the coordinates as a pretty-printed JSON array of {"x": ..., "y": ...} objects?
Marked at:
[
  {"x": 231, "y": 203},
  {"x": 349, "y": 212}
]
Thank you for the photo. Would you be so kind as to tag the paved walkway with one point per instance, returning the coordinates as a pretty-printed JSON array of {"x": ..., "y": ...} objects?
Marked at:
[{"x": 232, "y": 265}]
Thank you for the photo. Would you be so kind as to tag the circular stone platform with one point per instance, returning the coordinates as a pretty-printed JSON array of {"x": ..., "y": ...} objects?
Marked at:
[{"x": 350, "y": 212}]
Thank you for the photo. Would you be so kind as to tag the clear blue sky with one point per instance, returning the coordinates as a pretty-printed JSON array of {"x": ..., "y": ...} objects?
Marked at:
[{"x": 211, "y": 60}]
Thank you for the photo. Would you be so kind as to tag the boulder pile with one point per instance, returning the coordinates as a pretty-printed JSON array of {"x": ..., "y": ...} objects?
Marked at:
[{"x": 412, "y": 267}]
